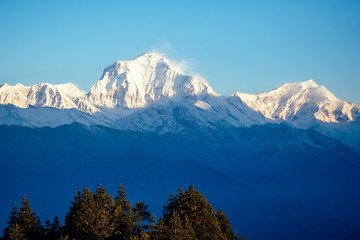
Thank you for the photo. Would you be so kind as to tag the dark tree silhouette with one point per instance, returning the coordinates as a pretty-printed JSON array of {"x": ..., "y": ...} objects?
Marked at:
[
  {"x": 123, "y": 216},
  {"x": 191, "y": 208},
  {"x": 98, "y": 216},
  {"x": 23, "y": 223}
]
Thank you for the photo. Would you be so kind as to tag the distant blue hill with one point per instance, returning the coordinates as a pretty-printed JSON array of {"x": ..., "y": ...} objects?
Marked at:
[{"x": 273, "y": 181}]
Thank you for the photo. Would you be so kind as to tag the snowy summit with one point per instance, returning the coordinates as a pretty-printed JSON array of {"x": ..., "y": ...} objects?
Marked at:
[
  {"x": 149, "y": 93},
  {"x": 143, "y": 80}
]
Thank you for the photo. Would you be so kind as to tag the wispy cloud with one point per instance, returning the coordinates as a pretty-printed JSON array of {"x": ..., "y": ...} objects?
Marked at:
[{"x": 165, "y": 49}]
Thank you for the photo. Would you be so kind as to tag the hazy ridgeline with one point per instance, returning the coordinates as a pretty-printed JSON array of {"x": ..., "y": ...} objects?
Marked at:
[{"x": 271, "y": 180}]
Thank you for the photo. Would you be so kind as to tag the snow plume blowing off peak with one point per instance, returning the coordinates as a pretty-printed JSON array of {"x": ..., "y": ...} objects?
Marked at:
[{"x": 143, "y": 80}]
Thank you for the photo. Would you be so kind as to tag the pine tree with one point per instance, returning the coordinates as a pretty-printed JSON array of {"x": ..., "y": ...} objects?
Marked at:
[
  {"x": 225, "y": 225},
  {"x": 96, "y": 216},
  {"x": 142, "y": 214},
  {"x": 179, "y": 229},
  {"x": 123, "y": 215},
  {"x": 192, "y": 205},
  {"x": 160, "y": 231},
  {"x": 47, "y": 226},
  {"x": 91, "y": 215},
  {"x": 104, "y": 213},
  {"x": 55, "y": 225},
  {"x": 28, "y": 221},
  {"x": 80, "y": 216},
  {"x": 16, "y": 233},
  {"x": 13, "y": 220},
  {"x": 52, "y": 229}
]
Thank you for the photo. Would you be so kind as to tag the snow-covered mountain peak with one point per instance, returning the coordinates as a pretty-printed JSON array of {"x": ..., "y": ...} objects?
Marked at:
[
  {"x": 301, "y": 103},
  {"x": 61, "y": 96},
  {"x": 149, "y": 92},
  {"x": 148, "y": 78},
  {"x": 146, "y": 60},
  {"x": 15, "y": 95},
  {"x": 293, "y": 88},
  {"x": 151, "y": 59},
  {"x": 307, "y": 89},
  {"x": 7, "y": 86},
  {"x": 70, "y": 89},
  {"x": 307, "y": 84},
  {"x": 66, "y": 90}
]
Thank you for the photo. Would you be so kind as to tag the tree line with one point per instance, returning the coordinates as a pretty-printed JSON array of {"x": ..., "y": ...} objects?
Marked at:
[{"x": 97, "y": 215}]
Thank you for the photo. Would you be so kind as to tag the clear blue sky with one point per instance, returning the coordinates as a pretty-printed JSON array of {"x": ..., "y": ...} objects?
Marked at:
[{"x": 248, "y": 46}]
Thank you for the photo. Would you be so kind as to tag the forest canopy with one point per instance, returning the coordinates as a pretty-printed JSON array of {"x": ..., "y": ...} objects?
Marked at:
[{"x": 96, "y": 215}]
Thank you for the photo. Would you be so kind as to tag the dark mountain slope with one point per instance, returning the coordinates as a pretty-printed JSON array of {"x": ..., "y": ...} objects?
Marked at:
[{"x": 245, "y": 171}]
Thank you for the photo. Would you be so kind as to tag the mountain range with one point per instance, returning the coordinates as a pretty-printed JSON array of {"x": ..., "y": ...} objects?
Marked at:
[
  {"x": 283, "y": 164},
  {"x": 143, "y": 88}
]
